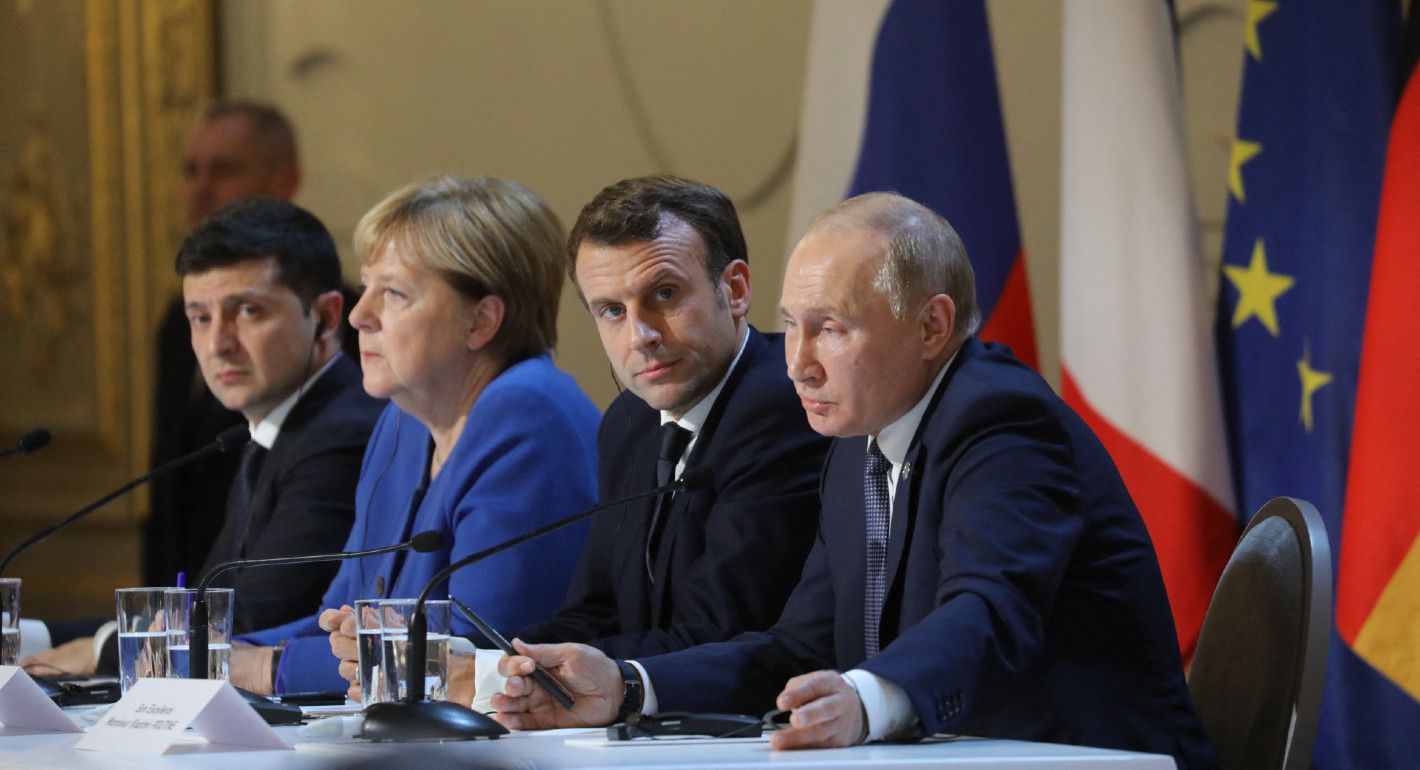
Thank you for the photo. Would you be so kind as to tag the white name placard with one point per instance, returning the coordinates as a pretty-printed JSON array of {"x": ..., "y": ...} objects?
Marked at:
[
  {"x": 23, "y": 704},
  {"x": 154, "y": 713}
]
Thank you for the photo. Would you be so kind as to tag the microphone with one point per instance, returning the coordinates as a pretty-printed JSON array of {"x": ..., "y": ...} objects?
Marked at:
[
  {"x": 33, "y": 441},
  {"x": 424, "y": 542},
  {"x": 226, "y": 441},
  {"x": 415, "y": 718}
]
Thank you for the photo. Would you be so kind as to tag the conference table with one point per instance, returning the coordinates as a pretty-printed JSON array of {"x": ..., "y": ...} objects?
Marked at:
[{"x": 326, "y": 744}]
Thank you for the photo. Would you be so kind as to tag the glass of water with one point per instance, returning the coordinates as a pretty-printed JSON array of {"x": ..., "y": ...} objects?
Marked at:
[
  {"x": 367, "y": 637},
  {"x": 142, "y": 634},
  {"x": 394, "y": 648},
  {"x": 178, "y": 603},
  {"x": 9, "y": 621}
]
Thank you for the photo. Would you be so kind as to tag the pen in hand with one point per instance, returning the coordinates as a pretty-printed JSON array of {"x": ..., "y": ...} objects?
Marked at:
[{"x": 540, "y": 675}]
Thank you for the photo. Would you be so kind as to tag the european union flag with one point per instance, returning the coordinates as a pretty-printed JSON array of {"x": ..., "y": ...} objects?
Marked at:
[{"x": 1319, "y": 89}]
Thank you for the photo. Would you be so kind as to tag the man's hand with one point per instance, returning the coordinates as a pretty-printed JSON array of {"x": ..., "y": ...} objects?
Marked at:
[
  {"x": 73, "y": 658},
  {"x": 344, "y": 645},
  {"x": 251, "y": 668},
  {"x": 827, "y": 713},
  {"x": 591, "y": 677}
]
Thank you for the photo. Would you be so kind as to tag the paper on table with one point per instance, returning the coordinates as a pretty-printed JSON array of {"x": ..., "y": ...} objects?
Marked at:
[{"x": 23, "y": 704}]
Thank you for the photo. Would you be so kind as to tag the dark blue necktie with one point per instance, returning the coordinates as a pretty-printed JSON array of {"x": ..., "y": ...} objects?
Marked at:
[
  {"x": 239, "y": 498},
  {"x": 674, "y": 440},
  {"x": 876, "y": 509}
]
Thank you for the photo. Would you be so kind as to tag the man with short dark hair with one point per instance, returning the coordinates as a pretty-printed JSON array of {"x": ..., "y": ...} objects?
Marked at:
[
  {"x": 262, "y": 298},
  {"x": 236, "y": 149},
  {"x": 262, "y": 295},
  {"x": 662, "y": 266},
  {"x": 980, "y": 568}
]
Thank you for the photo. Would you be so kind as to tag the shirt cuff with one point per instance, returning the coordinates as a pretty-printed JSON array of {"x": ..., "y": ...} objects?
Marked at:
[
  {"x": 486, "y": 679},
  {"x": 34, "y": 637},
  {"x": 648, "y": 705},
  {"x": 888, "y": 708},
  {"x": 101, "y": 637}
]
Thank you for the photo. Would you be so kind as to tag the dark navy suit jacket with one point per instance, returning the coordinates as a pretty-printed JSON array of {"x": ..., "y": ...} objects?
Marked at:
[
  {"x": 303, "y": 501},
  {"x": 728, "y": 555},
  {"x": 1024, "y": 597}
]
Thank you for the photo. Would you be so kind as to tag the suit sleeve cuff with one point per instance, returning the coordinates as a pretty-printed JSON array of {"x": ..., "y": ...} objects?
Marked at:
[
  {"x": 888, "y": 708},
  {"x": 102, "y": 635},
  {"x": 649, "y": 705},
  {"x": 486, "y": 679},
  {"x": 34, "y": 637}
]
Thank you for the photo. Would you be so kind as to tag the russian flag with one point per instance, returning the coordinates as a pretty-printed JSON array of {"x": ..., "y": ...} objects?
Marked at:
[
  {"x": 1137, "y": 351},
  {"x": 908, "y": 89}
]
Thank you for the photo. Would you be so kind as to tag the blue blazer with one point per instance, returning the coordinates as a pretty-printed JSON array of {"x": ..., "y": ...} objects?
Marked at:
[
  {"x": 527, "y": 456},
  {"x": 1024, "y": 597},
  {"x": 728, "y": 555}
]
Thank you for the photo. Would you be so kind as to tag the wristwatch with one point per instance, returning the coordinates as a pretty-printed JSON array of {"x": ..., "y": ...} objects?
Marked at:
[{"x": 633, "y": 693}]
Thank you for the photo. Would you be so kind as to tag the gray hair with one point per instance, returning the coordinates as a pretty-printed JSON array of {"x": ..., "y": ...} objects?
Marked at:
[{"x": 924, "y": 255}]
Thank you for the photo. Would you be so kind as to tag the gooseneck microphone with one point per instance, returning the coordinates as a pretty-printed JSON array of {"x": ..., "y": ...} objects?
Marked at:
[
  {"x": 33, "y": 441},
  {"x": 228, "y": 440},
  {"x": 416, "y": 718},
  {"x": 429, "y": 540}
]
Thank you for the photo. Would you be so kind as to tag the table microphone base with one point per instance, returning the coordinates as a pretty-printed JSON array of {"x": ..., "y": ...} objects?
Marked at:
[{"x": 426, "y": 720}]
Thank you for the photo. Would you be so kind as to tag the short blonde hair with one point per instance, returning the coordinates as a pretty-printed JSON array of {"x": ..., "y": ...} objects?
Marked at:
[{"x": 482, "y": 236}]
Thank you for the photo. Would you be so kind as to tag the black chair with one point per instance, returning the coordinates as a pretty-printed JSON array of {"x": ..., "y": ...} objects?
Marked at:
[{"x": 1261, "y": 656}]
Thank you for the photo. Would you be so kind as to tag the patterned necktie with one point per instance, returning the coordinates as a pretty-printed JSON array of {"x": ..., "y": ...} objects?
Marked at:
[
  {"x": 239, "y": 499},
  {"x": 674, "y": 440},
  {"x": 876, "y": 508}
]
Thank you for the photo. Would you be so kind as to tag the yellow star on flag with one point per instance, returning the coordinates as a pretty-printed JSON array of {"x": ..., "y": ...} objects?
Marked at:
[
  {"x": 1257, "y": 10},
  {"x": 1312, "y": 381},
  {"x": 1258, "y": 290},
  {"x": 1243, "y": 151}
]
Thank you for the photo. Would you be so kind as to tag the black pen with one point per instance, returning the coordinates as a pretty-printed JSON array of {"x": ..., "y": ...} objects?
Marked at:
[{"x": 540, "y": 675}]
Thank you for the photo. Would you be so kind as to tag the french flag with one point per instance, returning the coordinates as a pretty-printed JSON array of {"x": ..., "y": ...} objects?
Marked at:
[
  {"x": 1137, "y": 351},
  {"x": 902, "y": 96}
]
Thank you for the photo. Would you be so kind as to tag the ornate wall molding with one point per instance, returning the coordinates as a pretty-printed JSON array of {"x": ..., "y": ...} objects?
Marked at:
[{"x": 90, "y": 216}]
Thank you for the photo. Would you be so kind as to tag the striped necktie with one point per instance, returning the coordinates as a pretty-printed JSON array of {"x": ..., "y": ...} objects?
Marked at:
[{"x": 876, "y": 509}]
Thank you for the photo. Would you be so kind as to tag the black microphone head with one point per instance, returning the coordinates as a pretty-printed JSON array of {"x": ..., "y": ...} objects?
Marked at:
[
  {"x": 33, "y": 441},
  {"x": 232, "y": 439},
  {"x": 696, "y": 478},
  {"x": 428, "y": 540}
]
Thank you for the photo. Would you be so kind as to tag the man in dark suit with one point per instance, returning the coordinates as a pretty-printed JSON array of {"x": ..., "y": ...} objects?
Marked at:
[
  {"x": 980, "y": 568},
  {"x": 236, "y": 149},
  {"x": 261, "y": 292},
  {"x": 662, "y": 266}
]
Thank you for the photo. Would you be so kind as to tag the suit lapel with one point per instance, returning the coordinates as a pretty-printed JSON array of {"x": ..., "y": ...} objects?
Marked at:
[{"x": 904, "y": 508}]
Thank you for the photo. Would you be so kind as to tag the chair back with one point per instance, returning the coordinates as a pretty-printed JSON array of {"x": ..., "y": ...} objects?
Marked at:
[{"x": 1258, "y": 668}]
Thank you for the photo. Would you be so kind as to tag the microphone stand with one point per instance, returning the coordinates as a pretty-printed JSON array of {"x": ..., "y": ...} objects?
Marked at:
[
  {"x": 416, "y": 718},
  {"x": 198, "y": 624},
  {"x": 226, "y": 441}
]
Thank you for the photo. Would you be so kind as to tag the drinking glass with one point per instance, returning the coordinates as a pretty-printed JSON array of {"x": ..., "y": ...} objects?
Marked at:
[
  {"x": 142, "y": 634},
  {"x": 178, "y": 603},
  {"x": 367, "y": 637},
  {"x": 394, "y": 647},
  {"x": 9, "y": 621}
]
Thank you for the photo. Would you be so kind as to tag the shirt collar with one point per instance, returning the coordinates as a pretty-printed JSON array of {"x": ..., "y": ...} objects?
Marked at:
[
  {"x": 265, "y": 432},
  {"x": 894, "y": 440},
  {"x": 694, "y": 418}
]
